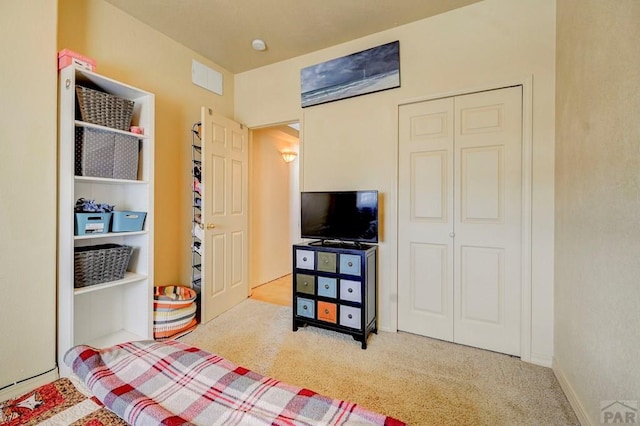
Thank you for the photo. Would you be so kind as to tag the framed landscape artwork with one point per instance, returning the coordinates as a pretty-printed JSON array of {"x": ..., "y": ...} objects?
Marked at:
[{"x": 368, "y": 71}]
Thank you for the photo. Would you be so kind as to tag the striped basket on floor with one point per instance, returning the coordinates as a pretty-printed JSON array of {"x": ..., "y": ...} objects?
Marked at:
[
  {"x": 173, "y": 297},
  {"x": 174, "y": 312}
]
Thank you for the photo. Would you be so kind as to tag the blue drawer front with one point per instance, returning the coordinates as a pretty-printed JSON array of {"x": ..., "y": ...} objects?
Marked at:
[
  {"x": 306, "y": 307},
  {"x": 327, "y": 287},
  {"x": 350, "y": 264}
]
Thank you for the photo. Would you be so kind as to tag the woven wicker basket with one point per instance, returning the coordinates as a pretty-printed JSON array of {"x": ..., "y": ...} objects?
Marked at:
[
  {"x": 104, "y": 109},
  {"x": 100, "y": 264}
]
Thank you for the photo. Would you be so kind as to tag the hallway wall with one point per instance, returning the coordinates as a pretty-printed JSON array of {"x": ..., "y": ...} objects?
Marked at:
[{"x": 272, "y": 192}]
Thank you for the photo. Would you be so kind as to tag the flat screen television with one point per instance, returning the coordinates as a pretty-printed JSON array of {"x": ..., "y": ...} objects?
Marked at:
[{"x": 339, "y": 215}]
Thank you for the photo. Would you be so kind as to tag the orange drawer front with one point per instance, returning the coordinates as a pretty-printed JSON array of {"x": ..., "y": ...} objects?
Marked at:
[{"x": 327, "y": 312}]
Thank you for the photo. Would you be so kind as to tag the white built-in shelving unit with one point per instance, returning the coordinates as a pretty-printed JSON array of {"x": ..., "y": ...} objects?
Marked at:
[{"x": 113, "y": 312}]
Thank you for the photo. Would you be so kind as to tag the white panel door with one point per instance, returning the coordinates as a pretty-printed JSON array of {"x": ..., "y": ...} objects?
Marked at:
[
  {"x": 460, "y": 219},
  {"x": 225, "y": 219},
  {"x": 425, "y": 252},
  {"x": 488, "y": 219}
]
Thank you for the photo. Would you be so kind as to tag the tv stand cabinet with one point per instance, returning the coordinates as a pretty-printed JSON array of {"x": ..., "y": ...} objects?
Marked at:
[{"x": 334, "y": 287}]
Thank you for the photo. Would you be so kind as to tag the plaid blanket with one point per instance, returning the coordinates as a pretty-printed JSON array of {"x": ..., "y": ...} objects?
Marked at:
[{"x": 170, "y": 383}]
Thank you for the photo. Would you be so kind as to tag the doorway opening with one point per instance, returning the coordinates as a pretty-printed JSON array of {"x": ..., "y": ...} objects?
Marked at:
[{"x": 273, "y": 209}]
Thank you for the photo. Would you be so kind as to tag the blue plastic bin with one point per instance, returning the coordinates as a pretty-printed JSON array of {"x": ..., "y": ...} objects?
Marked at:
[
  {"x": 127, "y": 221},
  {"x": 92, "y": 223}
]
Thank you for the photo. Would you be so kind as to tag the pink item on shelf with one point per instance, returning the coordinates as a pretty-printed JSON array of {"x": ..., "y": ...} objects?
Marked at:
[
  {"x": 137, "y": 130},
  {"x": 68, "y": 57}
]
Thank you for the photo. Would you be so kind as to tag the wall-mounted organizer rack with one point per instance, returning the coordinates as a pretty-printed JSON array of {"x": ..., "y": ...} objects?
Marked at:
[
  {"x": 196, "y": 225},
  {"x": 107, "y": 155}
]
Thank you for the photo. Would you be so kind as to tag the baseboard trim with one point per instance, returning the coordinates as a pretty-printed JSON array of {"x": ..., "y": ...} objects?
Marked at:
[
  {"x": 28, "y": 385},
  {"x": 566, "y": 387}
]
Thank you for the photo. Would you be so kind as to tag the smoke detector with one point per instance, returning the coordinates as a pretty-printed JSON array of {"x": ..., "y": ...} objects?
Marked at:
[{"x": 258, "y": 45}]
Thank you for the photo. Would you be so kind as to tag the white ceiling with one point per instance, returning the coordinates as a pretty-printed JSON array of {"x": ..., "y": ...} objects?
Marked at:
[{"x": 222, "y": 30}]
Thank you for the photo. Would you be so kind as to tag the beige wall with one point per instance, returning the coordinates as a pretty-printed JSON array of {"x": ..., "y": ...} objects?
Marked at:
[
  {"x": 270, "y": 180},
  {"x": 597, "y": 315},
  {"x": 28, "y": 140},
  {"x": 352, "y": 144},
  {"x": 136, "y": 54}
]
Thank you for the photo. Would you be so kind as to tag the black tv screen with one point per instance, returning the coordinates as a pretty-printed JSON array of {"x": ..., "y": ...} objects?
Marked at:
[{"x": 340, "y": 215}]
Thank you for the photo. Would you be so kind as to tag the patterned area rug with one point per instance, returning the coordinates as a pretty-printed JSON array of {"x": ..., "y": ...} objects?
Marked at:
[{"x": 56, "y": 403}]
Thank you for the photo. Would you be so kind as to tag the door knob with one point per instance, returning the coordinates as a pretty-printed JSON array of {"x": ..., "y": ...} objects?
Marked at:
[
  {"x": 452, "y": 234},
  {"x": 210, "y": 226}
]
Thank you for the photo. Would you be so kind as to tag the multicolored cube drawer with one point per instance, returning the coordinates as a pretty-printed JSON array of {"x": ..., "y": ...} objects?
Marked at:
[
  {"x": 327, "y": 287},
  {"x": 305, "y": 283},
  {"x": 350, "y": 317},
  {"x": 350, "y": 290},
  {"x": 306, "y": 307},
  {"x": 327, "y": 262},
  {"x": 305, "y": 259},
  {"x": 350, "y": 264},
  {"x": 327, "y": 312}
]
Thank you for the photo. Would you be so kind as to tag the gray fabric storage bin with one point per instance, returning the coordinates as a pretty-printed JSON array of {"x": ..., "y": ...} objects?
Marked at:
[
  {"x": 101, "y": 153},
  {"x": 94, "y": 152},
  {"x": 125, "y": 157}
]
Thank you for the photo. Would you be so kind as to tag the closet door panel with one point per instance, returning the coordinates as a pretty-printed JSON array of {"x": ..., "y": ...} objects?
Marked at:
[
  {"x": 425, "y": 261},
  {"x": 488, "y": 219}
]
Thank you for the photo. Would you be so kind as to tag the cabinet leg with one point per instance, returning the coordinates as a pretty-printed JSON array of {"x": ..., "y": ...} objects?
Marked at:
[{"x": 362, "y": 339}]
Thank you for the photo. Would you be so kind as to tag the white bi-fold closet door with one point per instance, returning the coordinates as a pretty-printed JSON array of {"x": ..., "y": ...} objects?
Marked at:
[{"x": 460, "y": 219}]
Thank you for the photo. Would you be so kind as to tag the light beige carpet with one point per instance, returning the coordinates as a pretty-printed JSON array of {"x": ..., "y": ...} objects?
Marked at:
[{"x": 418, "y": 380}]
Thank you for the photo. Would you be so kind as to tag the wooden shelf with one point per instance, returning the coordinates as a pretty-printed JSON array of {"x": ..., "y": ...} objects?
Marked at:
[
  {"x": 129, "y": 277},
  {"x": 92, "y": 179},
  {"x": 109, "y": 235},
  {"x": 79, "y": 123}
]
